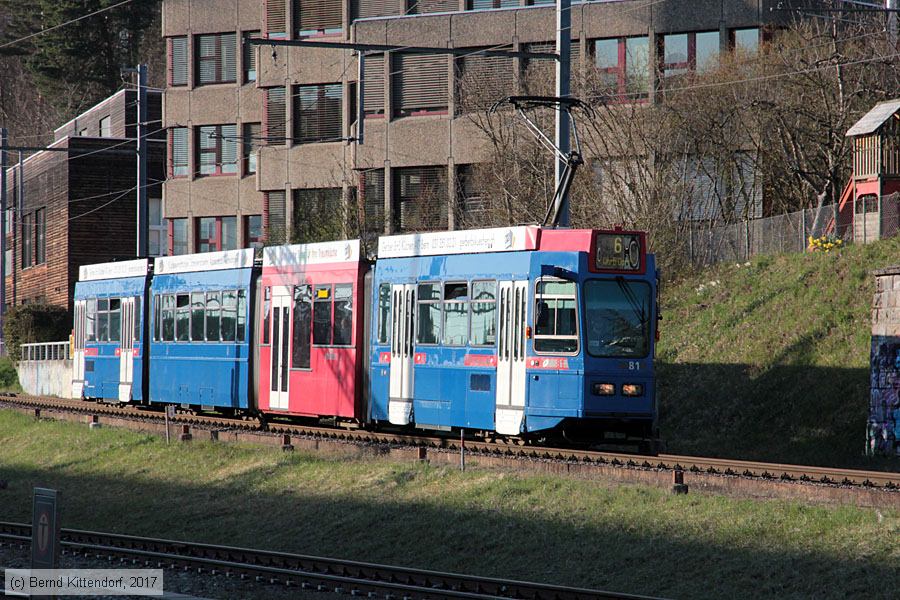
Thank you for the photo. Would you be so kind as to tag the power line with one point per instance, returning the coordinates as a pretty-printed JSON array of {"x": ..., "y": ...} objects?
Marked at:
[{"x": 55, "y": 27}]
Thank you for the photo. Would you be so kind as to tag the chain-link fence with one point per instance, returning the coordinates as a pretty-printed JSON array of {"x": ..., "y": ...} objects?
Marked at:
[{"x": 869, "y": 220}]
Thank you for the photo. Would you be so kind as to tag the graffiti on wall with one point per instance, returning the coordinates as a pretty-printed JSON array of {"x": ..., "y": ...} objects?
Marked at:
[{"x": 883, "y": 431}]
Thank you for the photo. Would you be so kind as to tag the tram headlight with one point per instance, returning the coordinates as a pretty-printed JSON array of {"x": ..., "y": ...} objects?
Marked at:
[
  {"x": 633, "y": 389},
  {"x": 604, "y": 389}
]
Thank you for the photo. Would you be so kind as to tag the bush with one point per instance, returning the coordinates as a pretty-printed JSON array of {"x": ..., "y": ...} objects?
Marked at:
[
  {"x": 32, "y": 323},
  {"x": 9, "y": 377}
]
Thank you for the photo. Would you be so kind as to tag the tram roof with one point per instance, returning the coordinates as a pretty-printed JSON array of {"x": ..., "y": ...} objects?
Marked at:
[
  {"x": 114, "y": 270},
  {"x": 205, "y": 261},
  {"x": 341, "y": 251}
]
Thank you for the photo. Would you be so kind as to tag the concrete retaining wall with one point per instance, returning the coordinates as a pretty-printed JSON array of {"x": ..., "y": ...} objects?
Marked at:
[{"x": 46, "y": 377}]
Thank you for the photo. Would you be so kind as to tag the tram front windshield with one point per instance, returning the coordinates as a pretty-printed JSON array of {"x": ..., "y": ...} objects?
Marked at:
[{"x": 617, "y": 317}]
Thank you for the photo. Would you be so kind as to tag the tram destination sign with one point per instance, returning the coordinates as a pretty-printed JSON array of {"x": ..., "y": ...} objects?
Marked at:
[{"x": 619, "y": 252}]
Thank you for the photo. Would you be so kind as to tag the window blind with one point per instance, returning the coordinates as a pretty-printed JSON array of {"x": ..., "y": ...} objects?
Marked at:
[{"x": 419, "y": 83}]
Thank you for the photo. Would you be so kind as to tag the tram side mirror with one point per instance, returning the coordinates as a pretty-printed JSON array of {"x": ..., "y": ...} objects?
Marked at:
[{"x": 558, "y": 272}]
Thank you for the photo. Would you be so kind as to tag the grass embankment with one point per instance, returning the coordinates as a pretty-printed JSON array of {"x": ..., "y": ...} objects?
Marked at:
[
  {"x": 770, "y": 360},
  {"x": 485, "y": 522}
]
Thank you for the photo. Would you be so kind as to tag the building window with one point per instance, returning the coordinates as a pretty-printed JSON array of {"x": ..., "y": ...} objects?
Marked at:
[
  {"x": 482, "y": 80},
  {"x": 421, "y": 7},
  {"x": 217, "y": 149},
  {"x": 253, "y": 231},
  {"x": 106, "y": 127},
  {"x": 216, "y": 58},
  {"x": 274, "y": 219},
  {"x": 472, "y": 205},
  {"x": 373, "y": 86},
  {"x": 276, "y": 19},
  {"x": 420, "y": 199},
  {"x": 248, "y": 51},
  {"x": 156, "y": 227},
  {"x": 40, "y": 236},
  {"x": 318, "y": 17},
  {"x": 27, "y": 239},
  {"x": 317, "y": 215},
  {"x": 214, "y": 234},
  {"x": 178, "y": 61},
  {"x": 317, "y": 113},
  {"x": 622, "y": 67},
  {"x": 365, "y": 9},
  {"x": 82, "y": 132},
  {"x": 488, "y": 4},
  {"x": 685, "y": 52},
  {"x": 746, "y": 40},
  {"x": 178, "y": 152},
  {"x": 178, "y": 236},
  {"x": 419, "y": 84},
  {"x": 371, "y": 198},
  {"x": 275, "y": 117},
  {"x": 250, "y": 147}
]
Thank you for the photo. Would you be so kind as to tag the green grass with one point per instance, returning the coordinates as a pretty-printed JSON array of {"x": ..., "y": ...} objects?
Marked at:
[
  {"x": 770, "y": 360},
  {"x": 487, "y": 522}
]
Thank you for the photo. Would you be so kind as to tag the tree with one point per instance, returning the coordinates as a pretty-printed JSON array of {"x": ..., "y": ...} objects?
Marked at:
[{"x": 77, "y": 65}]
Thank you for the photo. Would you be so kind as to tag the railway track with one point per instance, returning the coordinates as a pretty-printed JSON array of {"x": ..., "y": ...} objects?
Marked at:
[
  {"x": 880, "y": 480},
  {"x": 302, "y": 571}
]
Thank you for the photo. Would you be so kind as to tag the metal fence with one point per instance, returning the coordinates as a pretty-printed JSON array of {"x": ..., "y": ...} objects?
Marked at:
[
  {"x": 46, "y": 351},
  {"x": 868, "y": 221}
]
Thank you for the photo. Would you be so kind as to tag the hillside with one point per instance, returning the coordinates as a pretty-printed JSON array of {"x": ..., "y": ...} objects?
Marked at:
[{"x": 769, "y": 359}]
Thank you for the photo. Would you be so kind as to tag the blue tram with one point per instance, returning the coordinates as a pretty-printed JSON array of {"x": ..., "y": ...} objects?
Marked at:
[
  {"x": 109, "y": 361},
  {"x": 200, "y": 347},
  {"x": 518, "y": 331}
]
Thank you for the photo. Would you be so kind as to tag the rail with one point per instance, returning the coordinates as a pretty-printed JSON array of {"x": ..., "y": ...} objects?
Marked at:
[
  {"x": 309, "y": 572},
  {"x": 46, "y": 351},
  {"x": 886, "y": 481}
]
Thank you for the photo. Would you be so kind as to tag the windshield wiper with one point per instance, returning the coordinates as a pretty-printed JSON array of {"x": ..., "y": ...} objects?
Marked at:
[{"x": 632, "y": 299}]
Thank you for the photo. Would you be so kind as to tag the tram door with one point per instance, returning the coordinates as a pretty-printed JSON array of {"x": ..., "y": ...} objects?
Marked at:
[
  {"x": 513, "y": 301},
  {"x": 281, "y": 347},
  {"x": 403, "y": 321},
  {"x": 126, "y": 350},
  {"x": 78, "y": 354}
]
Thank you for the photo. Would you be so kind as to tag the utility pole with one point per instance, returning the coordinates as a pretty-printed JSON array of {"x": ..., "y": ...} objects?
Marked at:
[
  {"x": 143, "y": 147},
  {"x": 4, "y": 140},
  {"x": 142, "y": 211},
  {"x": 563, "y": 79}
]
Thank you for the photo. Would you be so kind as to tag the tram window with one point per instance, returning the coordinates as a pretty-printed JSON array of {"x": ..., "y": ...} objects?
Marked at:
[
  {"x": 241, "y": 316},
  {"x": 137, "y": 317},
  {"x": 90, "y": 333},
  {"x": 343, "y": 314},
  {"x": 213, "y": 315},
  {"x": 322, "y": 316},
  {"x": 229, "y": 315},
  {"x": 484, "y": 313},
  {"x": 198, "y": 312},
  {"x": 168, "y": 318},
  {"x": 102, "y": 320},
  {"x": 456, "y": 314},
  {"x": 156, "y": 318},
  {"x": 115, "y": 319},
  {"x": 302, "y": 327},
  {"x": 384, "y": 313},
  {"x": 429, "y": 319},
  {"x": 556, "y": 317},
  {"x": 182, "y": 318},
  {"x": 267, "y": 308}
]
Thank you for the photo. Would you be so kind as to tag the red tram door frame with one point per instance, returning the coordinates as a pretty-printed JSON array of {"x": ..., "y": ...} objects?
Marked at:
[{"x": 280, "y": 350}]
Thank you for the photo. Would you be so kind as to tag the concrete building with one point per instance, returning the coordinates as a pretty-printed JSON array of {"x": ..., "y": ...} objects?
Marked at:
[
  {"x": 78, "y": 207},
  {"x": 262, "y": 139}
]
